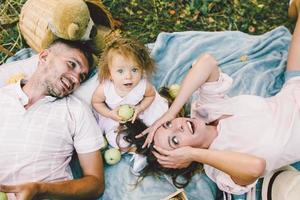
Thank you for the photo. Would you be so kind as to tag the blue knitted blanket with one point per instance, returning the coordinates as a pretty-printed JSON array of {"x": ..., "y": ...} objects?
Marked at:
[{"x": 256, "y": 63}]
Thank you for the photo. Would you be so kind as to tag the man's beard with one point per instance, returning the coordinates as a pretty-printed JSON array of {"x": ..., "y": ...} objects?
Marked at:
[{"x": 53, "y": 93}]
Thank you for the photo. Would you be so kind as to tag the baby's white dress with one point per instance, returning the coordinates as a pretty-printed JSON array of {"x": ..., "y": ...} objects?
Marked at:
[{"x": 156, "y": 109}]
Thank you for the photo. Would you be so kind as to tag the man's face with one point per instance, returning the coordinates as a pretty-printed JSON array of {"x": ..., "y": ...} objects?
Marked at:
[
  {"x": 180, "y": 132},
  {"x": 65, "y": 69}
]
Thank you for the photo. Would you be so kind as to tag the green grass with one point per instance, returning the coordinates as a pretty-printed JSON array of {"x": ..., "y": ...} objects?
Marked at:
[{"x": 145, "y": 19}]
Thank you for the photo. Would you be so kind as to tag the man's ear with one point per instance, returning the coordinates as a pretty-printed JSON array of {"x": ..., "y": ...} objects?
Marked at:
[{"x": 43, "y": 55}]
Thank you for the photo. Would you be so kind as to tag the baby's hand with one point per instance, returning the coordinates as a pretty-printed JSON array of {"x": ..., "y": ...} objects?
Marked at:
[
  {"x": 114, "y": 115},
  {"x": 137, "y": 111}
]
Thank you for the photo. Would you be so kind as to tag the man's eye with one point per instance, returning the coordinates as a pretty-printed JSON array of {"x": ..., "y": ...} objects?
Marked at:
[
  {"x": 120, "y": 71},
  {"x": 82, "y": 77},
  {"x": 175, "y": 140},
  {"x": 72, "y": 64}
]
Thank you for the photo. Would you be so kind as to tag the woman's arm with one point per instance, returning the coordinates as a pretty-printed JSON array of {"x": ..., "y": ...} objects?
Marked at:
[
  {"x": 243, "y": 168},
  {"x": 146, "y": 101},
  {"x": 204, "y": 70}
]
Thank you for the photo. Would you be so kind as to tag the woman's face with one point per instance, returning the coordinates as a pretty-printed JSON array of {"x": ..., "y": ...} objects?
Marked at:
[{"x": 180, "y": 132}]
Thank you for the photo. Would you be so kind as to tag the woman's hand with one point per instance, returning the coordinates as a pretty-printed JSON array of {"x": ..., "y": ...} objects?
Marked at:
[
  {"x": 177, "y": 158},
  {"x": 152, "y": 129}
]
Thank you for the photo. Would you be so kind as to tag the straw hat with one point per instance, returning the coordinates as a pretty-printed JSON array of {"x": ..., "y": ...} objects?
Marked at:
[{"x": 284, "y": 184}]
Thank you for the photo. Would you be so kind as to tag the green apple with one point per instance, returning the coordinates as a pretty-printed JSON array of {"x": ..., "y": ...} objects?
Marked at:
[
  {"x": 105, "y": 144},
  {"x": 125, "y": 112},
  {"x": 112, "y": 156},
  {"x": 3, "y": 196},
  {"x": 174, "y": 90}
]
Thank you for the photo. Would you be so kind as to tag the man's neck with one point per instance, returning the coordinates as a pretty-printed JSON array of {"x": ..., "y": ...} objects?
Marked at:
[{"x": 33, "y": 90}]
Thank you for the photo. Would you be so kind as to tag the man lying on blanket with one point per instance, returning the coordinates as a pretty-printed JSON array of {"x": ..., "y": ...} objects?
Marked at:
[{"x": 41, "y": 124}]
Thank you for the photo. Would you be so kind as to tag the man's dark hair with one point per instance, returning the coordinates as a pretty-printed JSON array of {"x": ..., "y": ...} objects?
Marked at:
[
  {"x": 82, "y": 46},
  {"x": 180, "y": 177}
]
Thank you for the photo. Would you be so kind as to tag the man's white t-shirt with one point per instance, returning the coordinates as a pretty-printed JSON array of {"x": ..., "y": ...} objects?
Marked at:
[{"x": 37, "y": 144}]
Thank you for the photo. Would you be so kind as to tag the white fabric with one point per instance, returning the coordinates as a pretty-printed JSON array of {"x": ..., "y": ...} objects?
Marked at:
[
  {"x": 157, "y": 108},
  {"x": 86, "y": 90},
  {"x": 18, "y": 68},
  {"x": 25, "y": 68},
  {"x": 265, "y": 127},
  {"x": 37, "y": 144},
  {"x": 139, "y": 162}
]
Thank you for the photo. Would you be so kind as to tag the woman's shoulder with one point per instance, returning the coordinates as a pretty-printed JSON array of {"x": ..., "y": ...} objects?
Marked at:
[{"x": 221, "y": 85}]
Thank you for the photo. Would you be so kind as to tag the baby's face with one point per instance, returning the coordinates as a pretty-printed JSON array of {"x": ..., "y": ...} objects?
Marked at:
[{"x": 125, "y": 73}]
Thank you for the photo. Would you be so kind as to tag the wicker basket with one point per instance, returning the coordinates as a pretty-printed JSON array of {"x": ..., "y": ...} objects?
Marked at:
[{"x": 35, "y": 28}]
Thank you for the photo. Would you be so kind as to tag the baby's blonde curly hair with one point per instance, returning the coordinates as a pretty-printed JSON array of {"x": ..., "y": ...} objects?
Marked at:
[{"x": 128, "y": 48}]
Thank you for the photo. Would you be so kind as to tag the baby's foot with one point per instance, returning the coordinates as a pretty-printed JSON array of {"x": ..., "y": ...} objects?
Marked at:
[{"x": 294, "y": 9}]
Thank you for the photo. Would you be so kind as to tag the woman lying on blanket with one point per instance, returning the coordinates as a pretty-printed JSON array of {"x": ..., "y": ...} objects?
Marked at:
[{"x": 238, "y": 139}]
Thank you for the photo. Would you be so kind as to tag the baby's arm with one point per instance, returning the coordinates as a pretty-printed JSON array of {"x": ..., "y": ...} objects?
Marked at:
[
  {"x": 146, "y": 101},
  {"x": 98, "y": 102}
]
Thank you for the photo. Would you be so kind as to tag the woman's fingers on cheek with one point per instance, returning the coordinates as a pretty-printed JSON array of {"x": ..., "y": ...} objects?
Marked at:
[
  {"x": 157, "y": 155},
  {"x": 168, "y": 166},
  {"x": 165, "y": 164},
  {"x": 160, "y": 157},
  {"x": 161, "y": 151}
]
